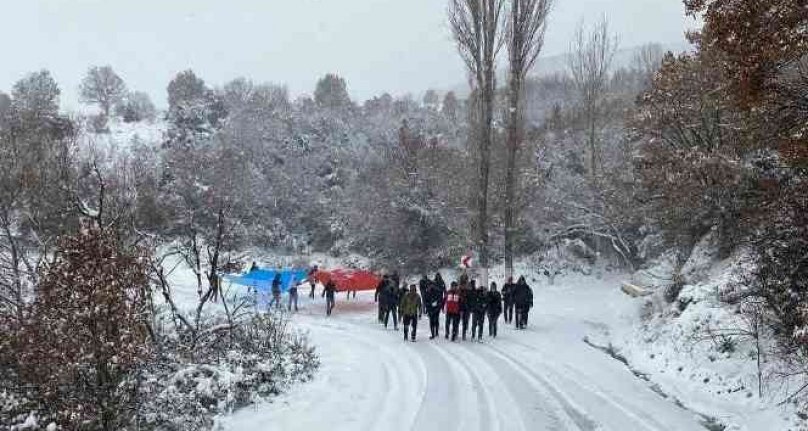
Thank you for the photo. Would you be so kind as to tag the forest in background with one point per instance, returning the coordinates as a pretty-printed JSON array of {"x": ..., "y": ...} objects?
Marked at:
[{"x": 619, "y": 164}]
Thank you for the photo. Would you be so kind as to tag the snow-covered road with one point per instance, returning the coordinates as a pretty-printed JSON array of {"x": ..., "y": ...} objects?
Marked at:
[{"x": 544, "y": 378}]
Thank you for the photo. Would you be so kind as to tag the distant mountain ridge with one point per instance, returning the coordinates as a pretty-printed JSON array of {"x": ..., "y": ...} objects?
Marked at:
[{"x": 553, "y": 64}]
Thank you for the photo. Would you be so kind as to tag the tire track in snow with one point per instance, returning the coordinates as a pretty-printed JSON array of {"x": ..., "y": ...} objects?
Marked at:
[
  {"x": 440, "y": 407},
  {"x": 537, "y": 408},
  {"x": 586, "y": 390},
  {"x": 348, "y": 355},
  {"x": 385, "y": 412},
  {"x": 468, "y": 416},
  {"x": 487, "y": 419},
  {"x": 509, "y": 408},
  {"x": 573, "y": 376},
  {"x": 409, "y": 373},
  {"x": 573, "y": 415}
]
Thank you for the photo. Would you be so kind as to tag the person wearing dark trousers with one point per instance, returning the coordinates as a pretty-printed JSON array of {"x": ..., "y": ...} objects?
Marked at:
[
  {"x": 507, "y": 299},
  {"x": 476, "y": 299},
  {"x": 523, "y": 300},
  {"x": 312, "y": 276},
  {"x": 493, "y": 309},
  {"x": 410, "y": 307},
  {"x": 329, "y": 291},
  {"x": 378, "y": 297},
  {"x": 452, "y": 306},
  {"x": 433, "y": 303},
  {"x": 423, "y": 286},
  {"x": 465, "y": 311},
  {"x": 313, "y": 285},
  {"x": 292, "y": 294},
  {"x": 276, "y": 292},
  {"x": 390, "y": 297},
  {"x": 398, "y": 292}
]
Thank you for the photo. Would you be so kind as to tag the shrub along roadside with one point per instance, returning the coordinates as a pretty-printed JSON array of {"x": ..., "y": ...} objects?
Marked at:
[{"x": 88, "y": 356}]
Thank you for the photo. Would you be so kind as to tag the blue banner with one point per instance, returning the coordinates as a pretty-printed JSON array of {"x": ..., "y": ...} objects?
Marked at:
[{"x": 261, "y": 279}]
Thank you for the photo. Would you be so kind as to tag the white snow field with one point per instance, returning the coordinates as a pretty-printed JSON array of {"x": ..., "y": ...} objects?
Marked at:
[{"x": 543, "y": 378}]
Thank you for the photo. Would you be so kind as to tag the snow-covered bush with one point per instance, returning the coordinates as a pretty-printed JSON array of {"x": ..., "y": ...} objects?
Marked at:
[
  {"x": 96, "y": 353},
  {"x": 252, "y": 361}
]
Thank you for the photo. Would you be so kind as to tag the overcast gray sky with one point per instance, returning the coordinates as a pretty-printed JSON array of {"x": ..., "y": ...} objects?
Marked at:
[{"x": 398, "y": 46}]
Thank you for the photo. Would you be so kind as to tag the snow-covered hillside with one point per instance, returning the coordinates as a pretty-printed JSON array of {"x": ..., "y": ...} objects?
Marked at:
[
  {"x": 122, "y": 135},
  {"x": 702, "y": 351}
]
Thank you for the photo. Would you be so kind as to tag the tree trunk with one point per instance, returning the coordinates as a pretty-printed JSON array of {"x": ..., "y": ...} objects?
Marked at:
[
  {"x": 15, "y": 269},
  {"x": 512, "y": 179},
  {"x": 486, "y": 80}
]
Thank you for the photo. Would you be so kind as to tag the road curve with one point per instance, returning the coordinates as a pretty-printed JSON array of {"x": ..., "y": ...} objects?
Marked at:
[{"x": 544, "y": 378}]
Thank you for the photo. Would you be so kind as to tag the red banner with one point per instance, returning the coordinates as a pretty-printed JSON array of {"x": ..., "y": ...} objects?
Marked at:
[{"x": 350, "y": 279}]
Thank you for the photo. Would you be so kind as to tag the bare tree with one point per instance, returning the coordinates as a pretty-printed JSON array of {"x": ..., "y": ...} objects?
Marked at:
[
  {"x": 526, "y": 28},
  {"x": 102, "y": 86},
  {"x": 589, "y": 61},
  {"x": 477, "y": 26},
  {"x": 450, "y": 105},
  {"x": 647, "y": 61}
]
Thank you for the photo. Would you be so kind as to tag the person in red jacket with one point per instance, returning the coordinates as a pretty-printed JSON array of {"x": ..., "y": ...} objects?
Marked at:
[{"x": 452, "y": 305}]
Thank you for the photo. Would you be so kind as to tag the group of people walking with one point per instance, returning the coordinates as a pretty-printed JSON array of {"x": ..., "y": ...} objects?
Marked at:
[
  {"x": 465, "y": 304},
  {"x": 462, "y": 303}
]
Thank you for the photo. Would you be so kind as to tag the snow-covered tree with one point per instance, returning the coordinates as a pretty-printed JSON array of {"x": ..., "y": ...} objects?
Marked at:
[
  {"x": 431, "y": 100},
  {"x": 589, "y": 63},
  {"x": 36, "y": 146},
  {"x": 36, "y": 95},
  {"x": 195, "y": 111},
  {"x": 332, "y": 92},
  {"x": 103, "y": 87},
  {"x": 136, "y": 106},
  {"x": 690, "y": 153}
]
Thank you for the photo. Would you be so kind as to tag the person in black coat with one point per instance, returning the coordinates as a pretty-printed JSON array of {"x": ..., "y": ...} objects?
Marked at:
[
  {"x": 465, "y": 305},
  {"x": 276, "y": 292},
  {"x": 507, "y": 299},
  {"x": 378, "y": 296},
  {"x": 329, "y": 291},
  {"x": 312, "y": 278},
  {"x": 493, "y": 309},
  {"x": 423, "y": 286},
  {"x": 477, "y": 305},
  {"x": 391, "y": 297},
  {"x": 523, "y": 301},
  {"x": 440, "y": 283},
  {"x": 433, "y": 303},
  {"x": 464, "y": 281}
]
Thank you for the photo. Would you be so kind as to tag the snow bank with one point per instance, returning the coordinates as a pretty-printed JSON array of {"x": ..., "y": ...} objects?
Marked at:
[{"x": 699, "y": 349}]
